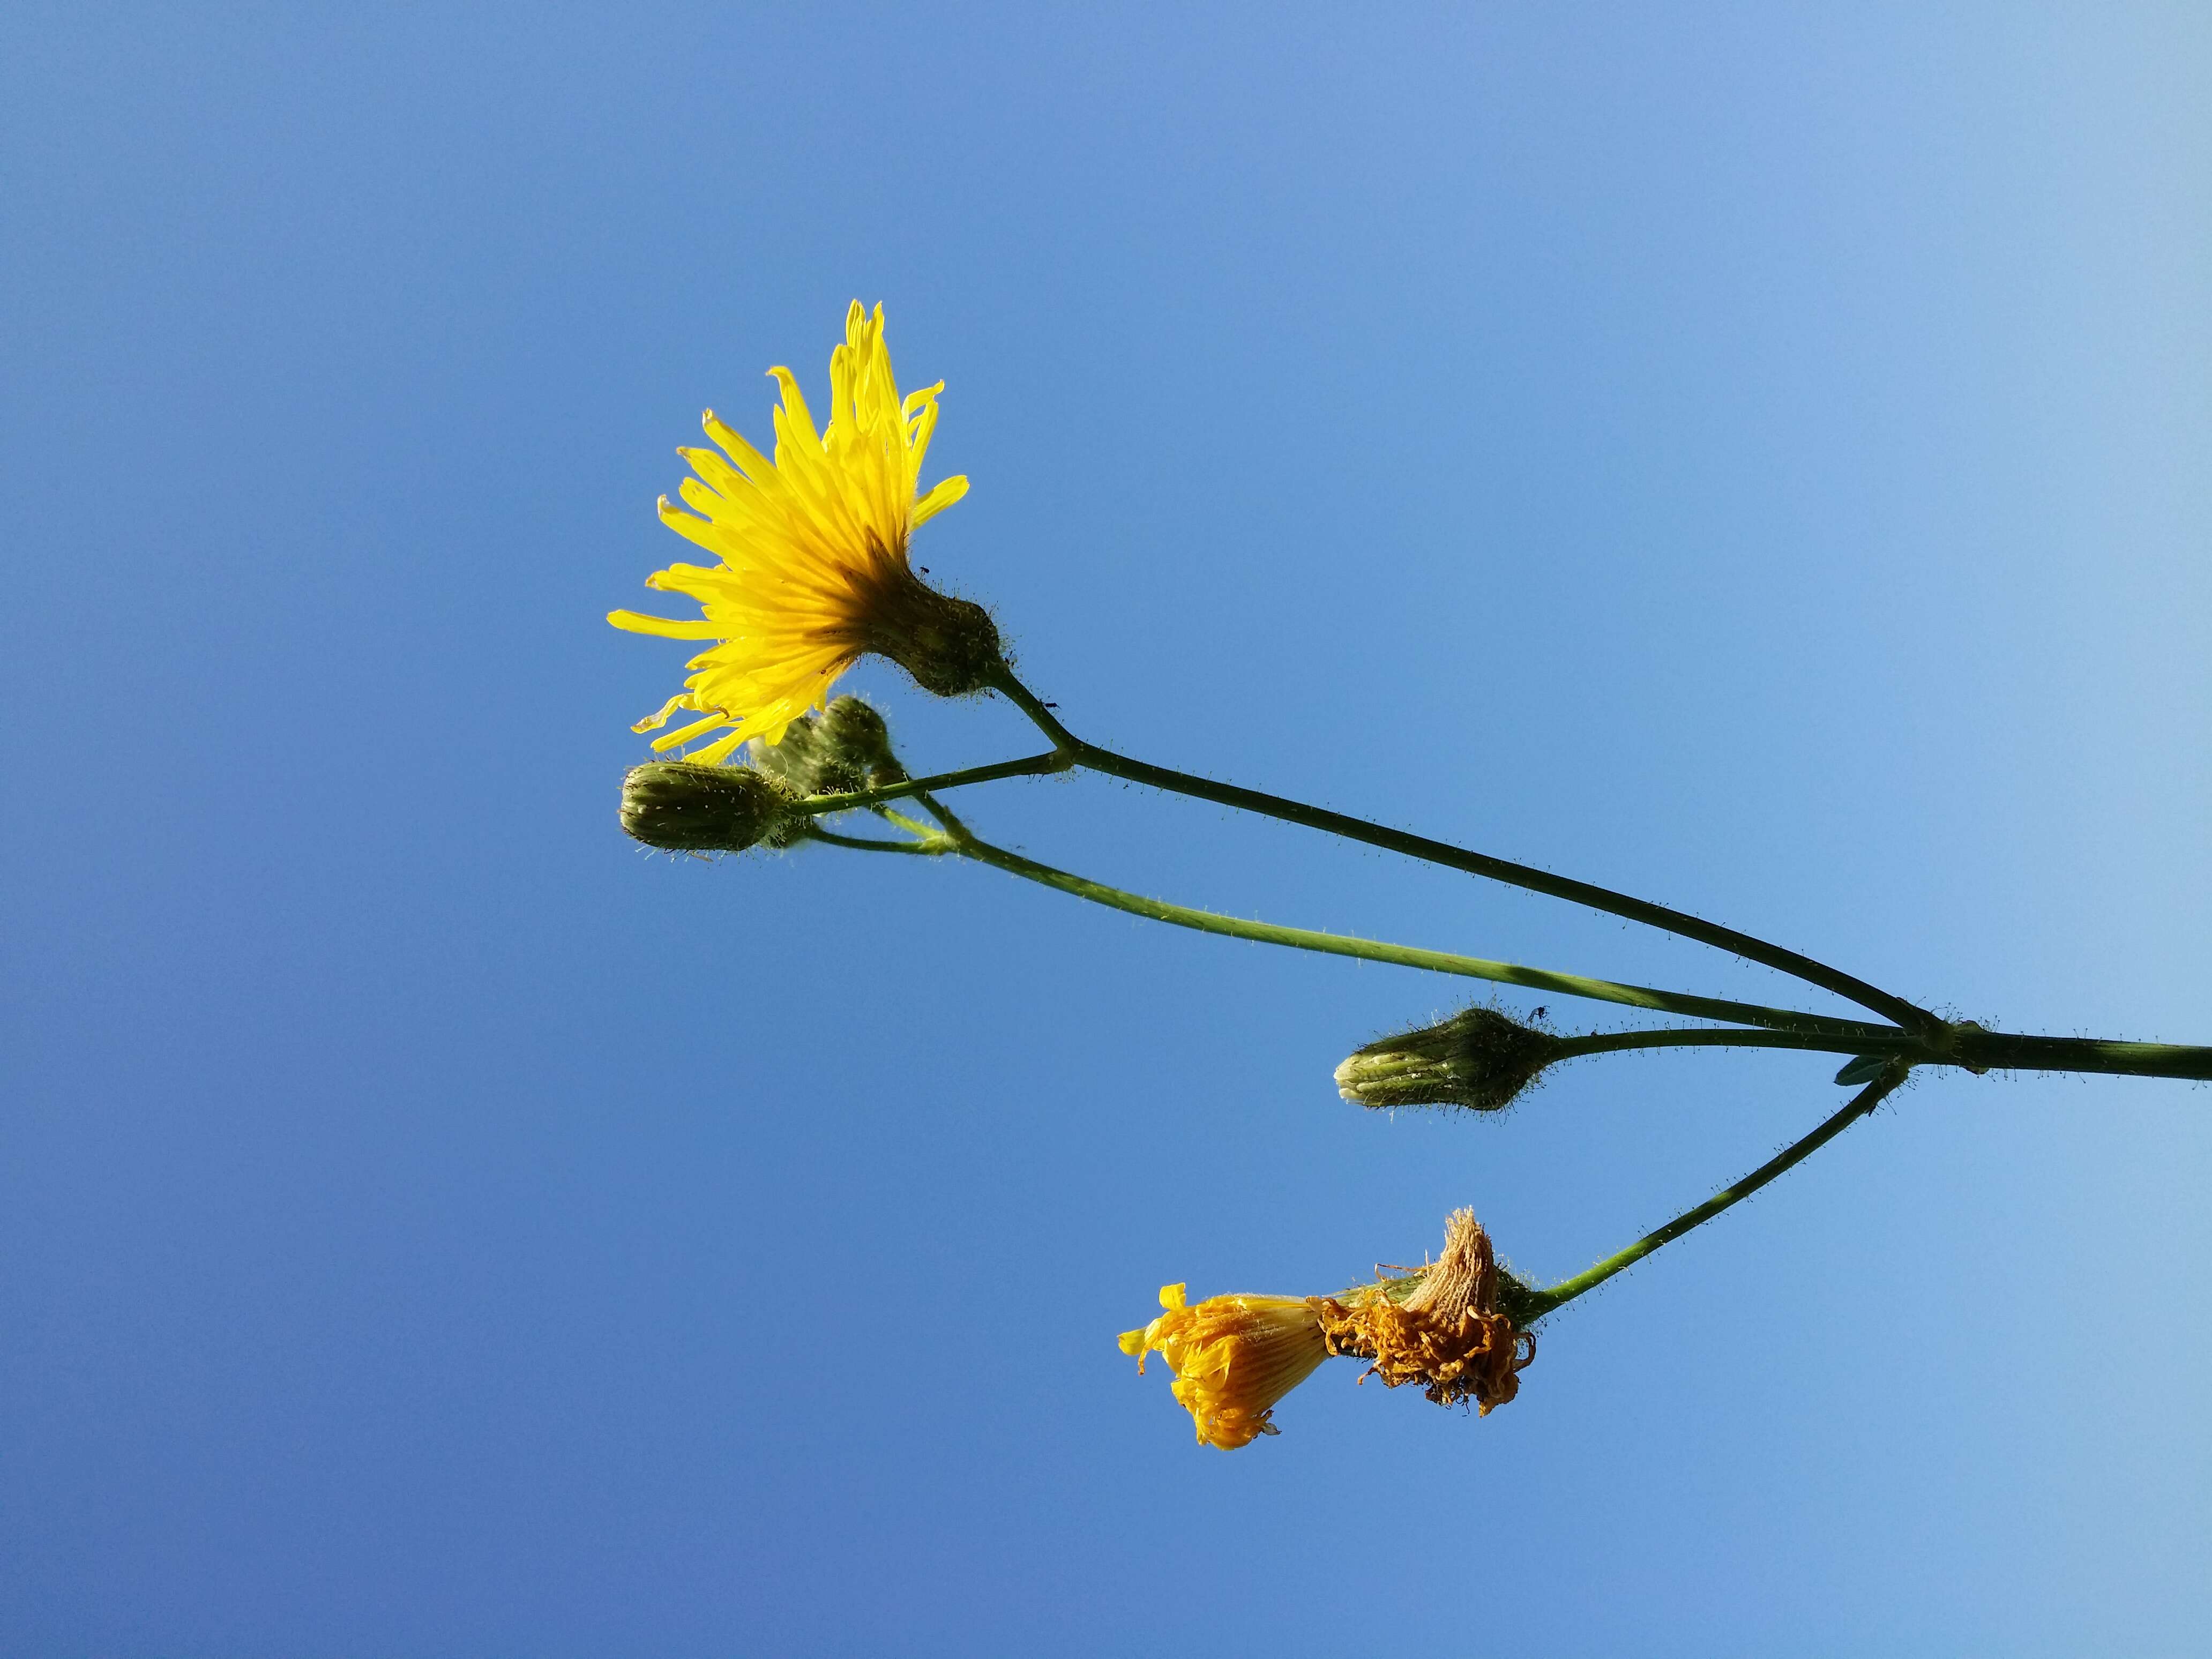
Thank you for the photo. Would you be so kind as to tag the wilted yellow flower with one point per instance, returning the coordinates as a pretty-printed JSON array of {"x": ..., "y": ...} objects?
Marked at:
[
  {"x": 813, "y": 566},
  {"x": 1234, "y": 1357},
  {"x": 1448, "y": 1335}
]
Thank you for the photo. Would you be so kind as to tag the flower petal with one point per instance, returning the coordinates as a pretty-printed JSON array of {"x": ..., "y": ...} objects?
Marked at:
[{"x": 947, "y": 492}]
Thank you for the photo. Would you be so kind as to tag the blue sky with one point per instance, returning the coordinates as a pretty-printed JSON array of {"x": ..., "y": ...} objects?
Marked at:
[{"x": 1749, "y": 457}]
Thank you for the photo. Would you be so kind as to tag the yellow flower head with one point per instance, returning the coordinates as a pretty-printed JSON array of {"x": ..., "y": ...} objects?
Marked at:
[
  {"x": 812, "y": 551},
  {"x": 1234, "y": 1357}
]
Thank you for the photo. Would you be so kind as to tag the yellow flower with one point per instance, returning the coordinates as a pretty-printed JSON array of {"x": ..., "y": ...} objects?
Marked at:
[
  {"x": 1234, "y": 1357},
  {"x": 813, "y": 566}
]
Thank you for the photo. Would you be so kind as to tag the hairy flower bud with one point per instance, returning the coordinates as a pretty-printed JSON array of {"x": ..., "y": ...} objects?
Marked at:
[
  {"x": 844, "y": 750},
  {"x": 704, "y": 809},
  {"x": 1480, "y": 1058}
]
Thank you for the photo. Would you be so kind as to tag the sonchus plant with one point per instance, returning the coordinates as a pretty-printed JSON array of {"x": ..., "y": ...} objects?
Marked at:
[{"x": 812, "y": 570}]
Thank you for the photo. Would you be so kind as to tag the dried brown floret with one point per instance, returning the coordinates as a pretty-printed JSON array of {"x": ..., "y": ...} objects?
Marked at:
[{"x": 1446, "y": 1334}]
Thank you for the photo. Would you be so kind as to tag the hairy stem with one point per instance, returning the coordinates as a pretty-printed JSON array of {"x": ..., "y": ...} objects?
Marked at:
[
  {"x": 928, "y": 847},
  {"x": 1535, "y": 1304},
  {"x": 1872, "y": 1041},
  {"x": 1030, "y": 767},
  {"x": 1840, "y": 1036},
  {"x": 1967, "y": 1046},
  {"x": 1908, "y": 1015},
  {"x": 2005, "y": 1051}
]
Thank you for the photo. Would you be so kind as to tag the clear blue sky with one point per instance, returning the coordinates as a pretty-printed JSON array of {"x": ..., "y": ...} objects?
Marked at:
[{"x": 1750, "y": 457}]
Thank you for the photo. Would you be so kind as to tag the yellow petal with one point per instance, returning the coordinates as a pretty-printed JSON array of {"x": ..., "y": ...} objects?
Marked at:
[
  {"x": 667, "y": 627},
  {"x": 693, "y": 529},
  {"x": 713, "y": 754},
  {"x": 651, "y": 722},
  {"x": 754, "y": 465},
  {"x": 668, "y": 740},
  {"x": 795, "y": 410},
  {"x": 951, "y": 490}
]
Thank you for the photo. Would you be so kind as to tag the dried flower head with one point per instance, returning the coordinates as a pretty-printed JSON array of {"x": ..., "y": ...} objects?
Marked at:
[
  {"x": 1447, "y": 1333},
  {"x": 1233, "y": 1356},
  {"x": 810, "y": 553}
]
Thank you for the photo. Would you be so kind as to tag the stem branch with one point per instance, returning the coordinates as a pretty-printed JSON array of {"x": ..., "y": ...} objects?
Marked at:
[
  {"x": 1030, "y": 767},
  {"x": 1537, "y": 1303},
  {"x": 1874, "y": 1041},
  {"x": 1839, "y": 1036},
  {"x": 1908, "y": 1015},
  {"x": 940, "y": 846}
]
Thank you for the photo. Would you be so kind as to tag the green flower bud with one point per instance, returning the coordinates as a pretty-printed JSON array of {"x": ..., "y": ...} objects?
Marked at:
[
  {"x": 689, "y": 808},
  {"x": 1481, "y": 1059},
  {"x": 844, "y": 750}
]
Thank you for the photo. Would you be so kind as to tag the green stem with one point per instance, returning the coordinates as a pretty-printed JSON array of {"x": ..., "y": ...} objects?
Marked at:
[
  {"x": 928, "y": 849},
  {"x": 937, "y": 809},
  {"x": 1031, "y": 766},
  {"x": 1841, "y": 1036},
  {"x": 2004, "y": 1051},
  {"x": 1535, "y": 1304},
  {"x": 1967, "y": 1046},
  {"x": 1874, "y": 1040},
  {"x": 1034, "y": 706},
  {"x": 1908, "y": 1015}
]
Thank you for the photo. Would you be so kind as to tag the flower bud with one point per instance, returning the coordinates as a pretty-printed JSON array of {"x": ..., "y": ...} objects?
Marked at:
[
  {"x": 689, "y": 808},
  {"x": 1480, "y": 1058},
  {"x": 844, "y": 750},
  {"x": 1447, "y": 1332}
]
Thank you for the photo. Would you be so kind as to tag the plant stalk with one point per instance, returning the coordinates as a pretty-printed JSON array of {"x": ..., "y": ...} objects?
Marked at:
[
  {"x": 1533, "y": 1304},
  {"x": 1910, "y": 1016},
  {"x": 1836, "y": 1035}
]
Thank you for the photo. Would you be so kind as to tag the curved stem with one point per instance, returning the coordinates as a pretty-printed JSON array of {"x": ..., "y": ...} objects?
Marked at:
[
  {"x": 1034, "y": 706},
  {"x": 1842, "y": 1036},
  {"x": 1535, "y": 1304},
  {"x": 937, "y": 809},
  {"x": 1908, "y": 1015},
  {"x": 1973, "y": 1048},
  {"x": 866, "y": 844}
]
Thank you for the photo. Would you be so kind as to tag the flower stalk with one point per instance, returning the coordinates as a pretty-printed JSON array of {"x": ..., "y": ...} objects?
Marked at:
[
  {"x": 1974, "y": 1049},
  {"x": 1908, "y": 1015},
  {"x": 1551, "y": 1298}
]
